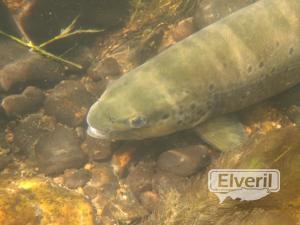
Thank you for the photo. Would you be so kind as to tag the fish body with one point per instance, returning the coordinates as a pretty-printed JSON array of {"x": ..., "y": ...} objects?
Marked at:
[{"x": 242, "y": 59}]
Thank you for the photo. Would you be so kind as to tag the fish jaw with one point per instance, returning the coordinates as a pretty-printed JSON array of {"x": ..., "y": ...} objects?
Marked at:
[{"x": 94, "y": 133}]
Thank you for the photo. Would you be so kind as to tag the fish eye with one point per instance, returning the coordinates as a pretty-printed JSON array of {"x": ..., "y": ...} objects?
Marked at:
[{"x": 137, "y": 122}]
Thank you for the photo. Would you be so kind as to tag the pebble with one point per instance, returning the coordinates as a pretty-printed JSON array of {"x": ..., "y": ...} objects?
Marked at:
[
  {"x": 28, "y": 131},
  {"x": 184, "y": 161},
  {"x": 20, "y": 104},
  {"x": 76, "y": 178},
  {"x": 69, "y": 102},
  {"x": 28, "y": 69},
  {"x": 58, "y": 150}
]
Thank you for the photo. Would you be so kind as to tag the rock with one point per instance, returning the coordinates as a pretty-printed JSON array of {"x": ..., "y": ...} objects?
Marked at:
[
  {"x": 226, "y": 133},
  {"x": 97, "y": 149},
  {"x": 76, "y": 178},
  {"x": 28, "y": 131},
  {"x": 108, "y": 69},
  {"x": 184, "y": 161},
  {"x": 69, "y": 102},
  {"x": 41, "y": 20},
  {"x": 210, "y": 11},
  {"x": 28, "y": 101},
  {"x": 140, "y": 177},
  {"x": 35, "y": 201},
  {"x": 58, "y": 150},
  {"x": 29, "y": 68}
]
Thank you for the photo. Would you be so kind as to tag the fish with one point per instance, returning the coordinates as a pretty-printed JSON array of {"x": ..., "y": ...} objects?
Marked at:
[{"x": 240, "y": 60}]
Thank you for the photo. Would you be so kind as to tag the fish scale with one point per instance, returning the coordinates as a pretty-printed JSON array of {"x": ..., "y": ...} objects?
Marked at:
[{"x": 246, "y": 57}]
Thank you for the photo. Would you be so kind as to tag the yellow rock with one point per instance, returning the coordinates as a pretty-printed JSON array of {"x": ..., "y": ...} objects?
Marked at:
[{"x": 35, "y": 201}]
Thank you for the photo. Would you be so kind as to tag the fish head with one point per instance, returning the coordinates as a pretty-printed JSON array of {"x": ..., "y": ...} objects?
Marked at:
[{"x": 132, "y": 109}]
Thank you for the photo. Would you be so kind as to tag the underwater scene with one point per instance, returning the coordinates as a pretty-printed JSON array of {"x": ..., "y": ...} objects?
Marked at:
[{"x": 149, "y": 112}]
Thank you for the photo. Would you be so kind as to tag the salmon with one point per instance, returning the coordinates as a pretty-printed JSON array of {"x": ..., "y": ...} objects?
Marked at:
[{"x": 240, "y": 60}]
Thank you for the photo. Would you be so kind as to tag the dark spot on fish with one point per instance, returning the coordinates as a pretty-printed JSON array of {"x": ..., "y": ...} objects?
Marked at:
[
  {"x": 264, "y": 75},
  {"x": 243, "y": 96},
  {"x": 261, "y": 64},
  {"x": 291, "y": 50},
  {"x": 249, "y": 69},
  {"x": 165, "y": 116},
  {"x": 200, "y": 112},
  {"x": 209, "y": 105},
  {"x": 286, "y": 69},
  {"x": 193, "y": 106},
  {"x": 180, "y": 112},
  {"x": 277, "y": 44},
  {"x": 273, "y": 70},
  {"x": 180, "y": 122},
  {"x": 211, "y": 87}
]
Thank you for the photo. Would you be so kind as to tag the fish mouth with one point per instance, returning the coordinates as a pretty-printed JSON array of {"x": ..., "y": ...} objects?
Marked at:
[{"x": 93, "y": 132}]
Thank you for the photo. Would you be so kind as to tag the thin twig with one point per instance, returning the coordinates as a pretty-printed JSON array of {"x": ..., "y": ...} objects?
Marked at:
[
  {"x": 40, "y": 50},
  {"x": 65, "y": 35},
  {"x": 69, "y": 31}
]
